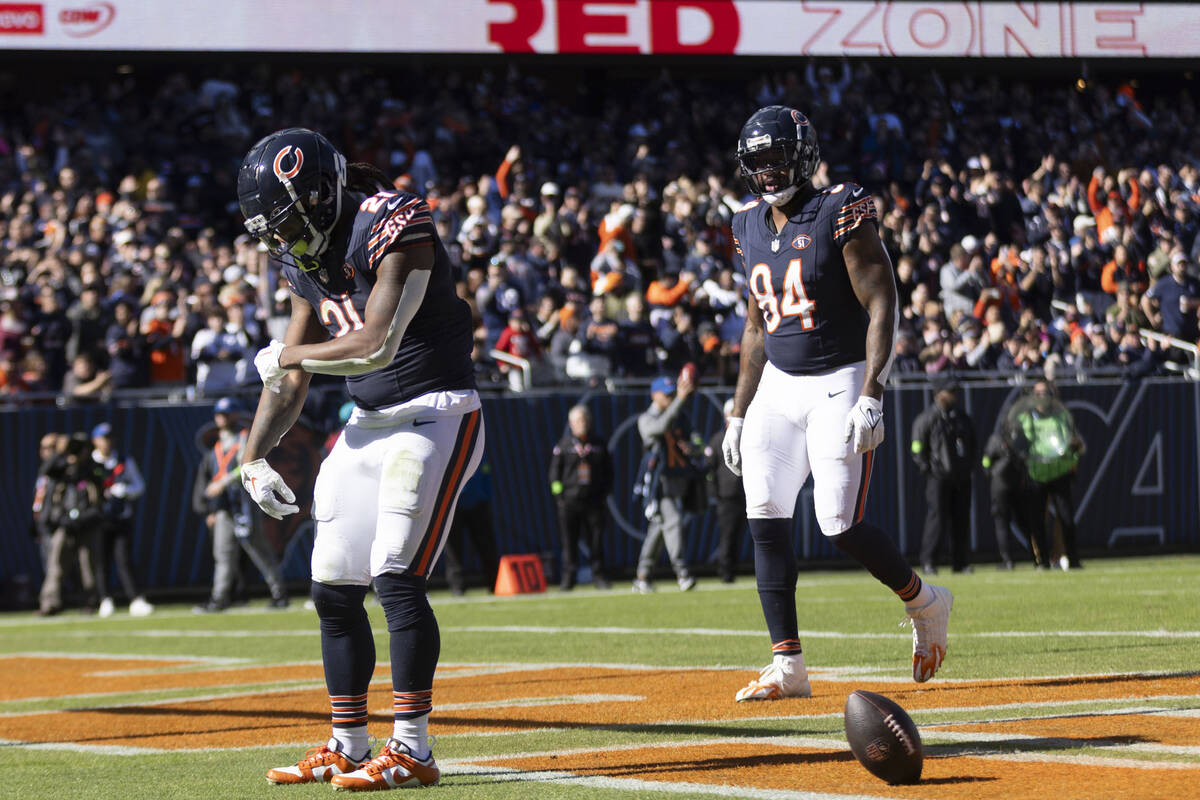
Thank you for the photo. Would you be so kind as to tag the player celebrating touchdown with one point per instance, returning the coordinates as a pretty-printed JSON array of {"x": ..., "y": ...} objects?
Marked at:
[
  {"x": 372, "y": 299},
  {"x": 814, "y": 358}
]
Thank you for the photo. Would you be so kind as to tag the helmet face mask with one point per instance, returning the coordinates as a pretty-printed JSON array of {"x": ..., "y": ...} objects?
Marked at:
[
  {"x": 290, "y": 189},
  {"x": 777, "y": 153}
]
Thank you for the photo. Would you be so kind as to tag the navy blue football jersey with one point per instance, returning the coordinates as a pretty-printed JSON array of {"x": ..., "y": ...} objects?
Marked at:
[
  {"x": 813, "y": 321},
  {"x": 435, "y": 353}
]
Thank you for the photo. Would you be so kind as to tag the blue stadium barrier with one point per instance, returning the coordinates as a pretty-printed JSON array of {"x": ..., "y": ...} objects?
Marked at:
[{"x": 1138, "y": 490}]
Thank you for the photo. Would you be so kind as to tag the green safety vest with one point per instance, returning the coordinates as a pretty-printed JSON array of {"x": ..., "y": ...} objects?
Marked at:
[{"x": 1050, "y": 453}]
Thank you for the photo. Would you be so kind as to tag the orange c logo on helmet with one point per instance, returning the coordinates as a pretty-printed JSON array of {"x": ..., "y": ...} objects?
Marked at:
[
  {"x": 280, "y": 172},
  {"x": 799, "y": 118}
]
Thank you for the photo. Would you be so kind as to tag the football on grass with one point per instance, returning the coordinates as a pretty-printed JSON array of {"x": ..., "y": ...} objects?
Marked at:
[{"x": 883, "y": 738}]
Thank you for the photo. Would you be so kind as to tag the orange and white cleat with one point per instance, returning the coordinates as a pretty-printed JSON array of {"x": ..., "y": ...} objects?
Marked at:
[
  {"x": 930, "y": 624},
  {"x": 319, "y": 765},
  {"x": 785, "y": 676},
  {"x": 394, "y": 768}
]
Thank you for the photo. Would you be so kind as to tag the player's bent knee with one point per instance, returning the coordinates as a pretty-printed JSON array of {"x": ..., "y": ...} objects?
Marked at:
[
  {"x": 333, "y": 563},
  {"x": 834, "y": 526},
  {"x": 338, "y": 602},
  {"x": 404, "y": 599},
  {"x": 771, "y": 531}
]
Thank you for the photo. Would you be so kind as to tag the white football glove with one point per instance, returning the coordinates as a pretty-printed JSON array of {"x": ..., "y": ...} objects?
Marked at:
[
  {"x": 731, "y": 445},
  {"x": 864, "y": 424},
  {"x": 263, "y": 483},
  {"x": 267, "y": 364}
]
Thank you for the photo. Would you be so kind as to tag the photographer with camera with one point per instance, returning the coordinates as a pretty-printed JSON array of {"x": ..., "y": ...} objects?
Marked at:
[{"x": 74, "y": 510}]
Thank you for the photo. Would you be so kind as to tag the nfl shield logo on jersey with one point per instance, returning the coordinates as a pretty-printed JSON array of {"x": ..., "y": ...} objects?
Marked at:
[{"x": 774, "y": 245}]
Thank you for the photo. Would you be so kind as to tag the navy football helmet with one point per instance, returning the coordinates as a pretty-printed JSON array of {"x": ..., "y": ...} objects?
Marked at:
[
  {"x": 777, "y": 152},
  {"x": 290, "y": 189}
]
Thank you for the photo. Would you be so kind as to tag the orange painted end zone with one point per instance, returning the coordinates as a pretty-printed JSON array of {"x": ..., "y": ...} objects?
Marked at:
[{"x": 594, "y": 697}]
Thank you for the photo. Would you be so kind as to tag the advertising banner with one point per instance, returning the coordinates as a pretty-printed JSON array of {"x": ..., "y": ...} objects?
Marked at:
[{"x": 624, "y": 27}]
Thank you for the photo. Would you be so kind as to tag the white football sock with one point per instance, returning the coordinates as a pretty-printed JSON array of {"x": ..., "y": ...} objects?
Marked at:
[
  {"x": 355, "y": 742},
  {"x": 413, "y": 734},
  {"x": 923, "y": 598}
]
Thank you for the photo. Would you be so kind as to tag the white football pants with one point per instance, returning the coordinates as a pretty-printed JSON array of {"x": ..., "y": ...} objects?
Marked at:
[
  {"x": 796, "y": 424},
  {"x": 385, "y": 495}
]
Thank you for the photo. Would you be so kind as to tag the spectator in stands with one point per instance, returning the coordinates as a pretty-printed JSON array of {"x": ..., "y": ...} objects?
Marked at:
[
  {"x": 496, "y": 299},
  {"x": 126, "y": 348},
  {"x": 581, "y": 476},
  {"x": 1172, "y": 302},
  {"x": 221, "y": 355},
  {"x": 83, "y": 215},
  {"x": 51, "y": 330},
  {"x": 163, "y": 327},
  {"x": 680, "y": 341},
  {"x": 89, "y": 322},
  {"x": 598, "y": 337},
  {"x": 636, "y": 339},
  {"x": 85, "y": 382},
  {"x": 518, "y": 340}
]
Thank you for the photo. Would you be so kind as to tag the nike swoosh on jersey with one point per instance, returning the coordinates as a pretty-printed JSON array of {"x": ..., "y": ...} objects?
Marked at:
[
  {"x": 835, "y": 394},
  {"x": 417, "y": 422},
  {"x": 856, "y": 192},
  {"x": 396, "y": 202}
]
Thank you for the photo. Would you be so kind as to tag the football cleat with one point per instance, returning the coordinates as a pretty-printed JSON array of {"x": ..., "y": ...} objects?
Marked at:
[
  {"x": 642, "y": 586},
  {"x": 394, "y": 768},
  {"x": 785, "y": 676},
  {"x": 319, "y": 765},
  {"x": 930, "y": 623},
  {"x": 140, "y": 607}
]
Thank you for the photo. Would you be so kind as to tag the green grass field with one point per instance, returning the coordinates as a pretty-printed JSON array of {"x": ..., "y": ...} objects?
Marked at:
[{"x": 1137, "y": 618}]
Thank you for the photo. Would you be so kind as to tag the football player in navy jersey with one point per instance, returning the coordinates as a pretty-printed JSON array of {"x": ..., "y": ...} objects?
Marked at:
[
  {"x": 373, "y": 300},
  {"x": 815, "y": 355}
]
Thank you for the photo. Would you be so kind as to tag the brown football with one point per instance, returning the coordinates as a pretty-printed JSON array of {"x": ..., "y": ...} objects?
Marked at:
[{"x": 883, "y": 738}]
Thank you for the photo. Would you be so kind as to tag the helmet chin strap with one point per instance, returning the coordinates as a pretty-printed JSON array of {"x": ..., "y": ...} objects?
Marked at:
[
  {"x": 311, "y": 251},
  {"x": 782, "y": 197}
]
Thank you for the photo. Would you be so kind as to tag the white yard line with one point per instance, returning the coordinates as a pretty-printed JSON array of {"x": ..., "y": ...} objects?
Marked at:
[
  {"x": 1189, "y": 751},
  {"x": 614, "y": 630},
  {"x": 628, "y": 631},
  {"x": 1091, "y": 761},
  {"x": 195, "y": 698}
]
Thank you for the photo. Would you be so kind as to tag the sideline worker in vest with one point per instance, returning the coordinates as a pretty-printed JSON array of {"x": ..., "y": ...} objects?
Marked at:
[
  {"x": 1044, "y": 433},
  {"x": 232, "y": 518}
]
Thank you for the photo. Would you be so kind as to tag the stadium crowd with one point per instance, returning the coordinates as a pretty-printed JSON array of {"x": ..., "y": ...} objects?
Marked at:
[{"x": 1030, "y": 225}]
